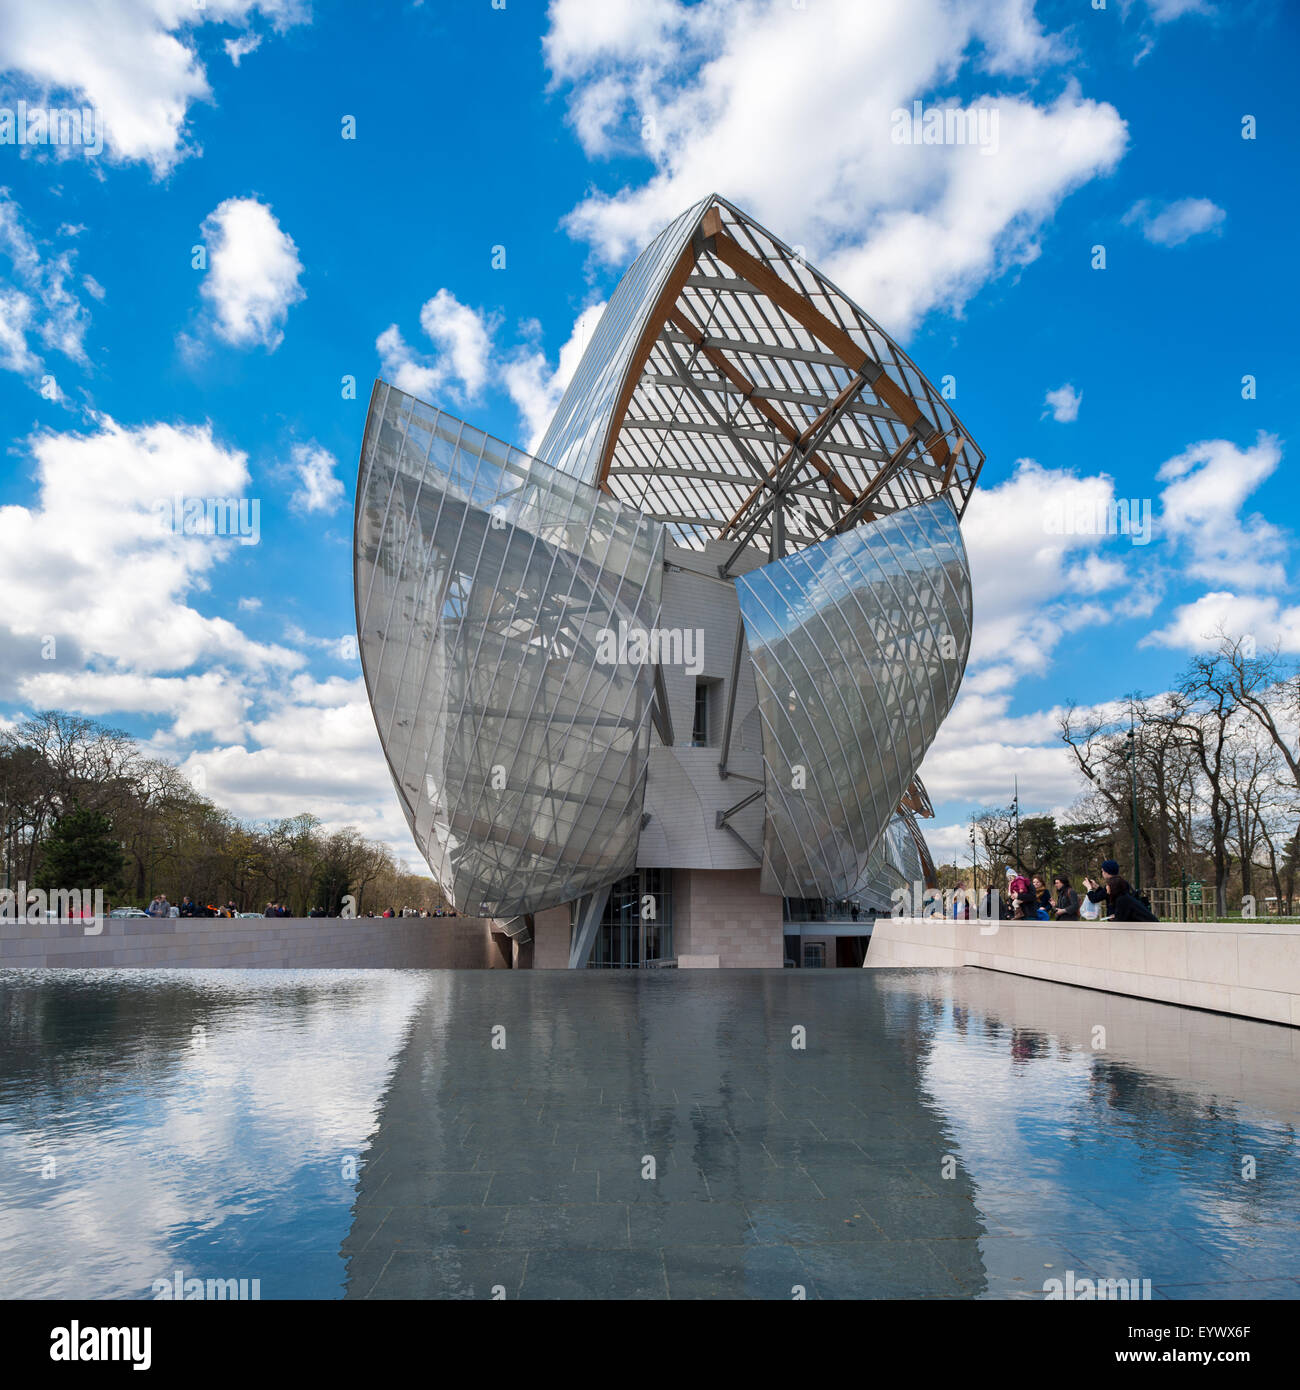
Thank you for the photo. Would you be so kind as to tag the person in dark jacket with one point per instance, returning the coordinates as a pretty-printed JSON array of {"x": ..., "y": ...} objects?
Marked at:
[
  {"x": 1121, "y": 903},
  {"x": 1067, "y": 900},
  {"x": 1041, "y": 896},
  {"x": 1125, "y": 905},
  {"x": 1128, "y": 907},
  {"x": 992, "y": 905},
  {"x": 188, "y": 907},
  {"x": 1100, "y": 892}
]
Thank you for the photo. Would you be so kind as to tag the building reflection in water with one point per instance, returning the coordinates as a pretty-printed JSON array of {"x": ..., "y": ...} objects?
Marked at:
[{"x": 636, "y": 1135}]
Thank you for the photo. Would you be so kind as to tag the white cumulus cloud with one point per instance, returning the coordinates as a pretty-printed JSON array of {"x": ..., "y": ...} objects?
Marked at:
[
  {"x": 1207, "y": 485},
  {"x": 1197, "y": 626},
  {"x": 1171, "y": 224},
  {"x": 1064, "y": 403},
  {"x": 462, "y": 358},
  {"x": 252, "y": 276},
  {"x": 40, "y": 300},
  {"x": 91, "y": 562},
  {"x": 318, "y": 489},
  {"x": 242, "y": 46},
  {"x": 789, "y": 111},
  {"x": 462, "y": 336},
  {"x": 134, "y": 62},
  {"x": 104, "y": 616}
]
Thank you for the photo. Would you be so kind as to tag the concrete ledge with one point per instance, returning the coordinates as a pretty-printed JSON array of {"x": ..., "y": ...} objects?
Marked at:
[
  {"x": 698, "y": 963},
  {"x": 1245, "y": 968},
  {"x": 257, "y": 943}
]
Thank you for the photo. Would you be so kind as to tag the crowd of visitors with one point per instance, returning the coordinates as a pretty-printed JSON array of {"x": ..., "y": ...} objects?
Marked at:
[
  {"x": 187, "y": 907},
  {"x": 1107, "y": 899}
]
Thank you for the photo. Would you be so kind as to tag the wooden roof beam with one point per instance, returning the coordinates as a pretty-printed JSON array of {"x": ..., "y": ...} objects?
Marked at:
[
  {"x": 808, "y": 316},
  {"x": 677, "y": 278}
]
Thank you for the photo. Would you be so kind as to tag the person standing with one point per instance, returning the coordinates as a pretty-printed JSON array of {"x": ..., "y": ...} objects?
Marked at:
[{"x": 1024, "y": 905}]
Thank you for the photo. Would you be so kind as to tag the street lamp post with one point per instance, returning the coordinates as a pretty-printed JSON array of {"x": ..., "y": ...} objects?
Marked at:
[
  {"x": 1015, "y": 811},
  {"x": 1131, "y": 755},
  {"x": 974, "y": 863}
]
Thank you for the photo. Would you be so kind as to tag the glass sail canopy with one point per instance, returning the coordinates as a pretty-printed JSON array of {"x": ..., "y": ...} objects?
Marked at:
[
  {"x": 483, "y": 583},
  {"x": 859, "y": 644}
]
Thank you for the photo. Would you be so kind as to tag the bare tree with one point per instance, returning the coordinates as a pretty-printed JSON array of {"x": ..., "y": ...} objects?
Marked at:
[
  {"x": 1205, "y": 713},
  {"x": 1249, "y": 781},
  {"x": 1261, "y": 687}
]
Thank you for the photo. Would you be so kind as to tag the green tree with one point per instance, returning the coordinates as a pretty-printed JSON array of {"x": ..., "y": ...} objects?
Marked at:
[
  {"x": 1040, "y": 846},
  {"x": 82, "y": 852}
]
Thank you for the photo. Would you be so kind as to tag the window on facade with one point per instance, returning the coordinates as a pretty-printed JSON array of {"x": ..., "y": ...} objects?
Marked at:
[
  {"x": 637, "y": 927},
  {"x": 700, "y": 726}
]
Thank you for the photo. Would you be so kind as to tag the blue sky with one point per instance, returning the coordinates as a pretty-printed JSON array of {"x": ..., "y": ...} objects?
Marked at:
[{"x": 568, "y": 134}]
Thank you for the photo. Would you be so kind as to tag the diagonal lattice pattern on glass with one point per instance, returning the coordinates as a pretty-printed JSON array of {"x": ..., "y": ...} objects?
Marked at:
[
  {"x": 724, "y": 359},
  {"x": 483, "y": 580},
  {"x": 901, "y": 859},
  {"x": 859, "y": 643}
]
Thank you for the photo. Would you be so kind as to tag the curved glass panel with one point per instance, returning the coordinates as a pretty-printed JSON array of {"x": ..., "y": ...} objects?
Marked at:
[
  {"x": 859, "y": 644},
  {"x": 576, "y": 435},
  {"x": 900, "y": 860},
  {"x": 484, "y": 581}
]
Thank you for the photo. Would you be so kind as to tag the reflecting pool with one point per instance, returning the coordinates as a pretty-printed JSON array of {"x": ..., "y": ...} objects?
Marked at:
[{"x": 716, "y": 1134}]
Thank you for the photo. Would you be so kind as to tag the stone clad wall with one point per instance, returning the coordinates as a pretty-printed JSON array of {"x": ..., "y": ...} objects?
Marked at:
[
  {"x": 720, "y": 912},
  {"x": 1246, "y": 968},
  {"x": 272, "y": 943},
  {"x": 551, "y": 937}
]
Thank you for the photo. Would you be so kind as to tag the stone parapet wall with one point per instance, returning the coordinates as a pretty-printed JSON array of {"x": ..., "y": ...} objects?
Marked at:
[
  {"x": 270, "y": 943},
  {"x": 1246, "y": 968}
]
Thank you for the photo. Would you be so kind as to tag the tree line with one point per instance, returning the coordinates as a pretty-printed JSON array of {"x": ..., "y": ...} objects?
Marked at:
[
  {"x": 80, "y": 799},
  {"x": 1216, "y": 766}
]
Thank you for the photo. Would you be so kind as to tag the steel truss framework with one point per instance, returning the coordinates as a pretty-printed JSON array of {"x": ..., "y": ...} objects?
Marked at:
[{"x": 733, "y": 392}]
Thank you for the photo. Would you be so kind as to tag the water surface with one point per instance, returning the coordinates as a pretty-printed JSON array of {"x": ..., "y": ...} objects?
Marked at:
[{"x": 938, "y": 1134}]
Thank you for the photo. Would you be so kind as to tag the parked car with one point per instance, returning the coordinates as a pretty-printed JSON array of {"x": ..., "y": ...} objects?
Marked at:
[
  {"x": 250, "y": 914},
  {"x": 128, "y": 912}
]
